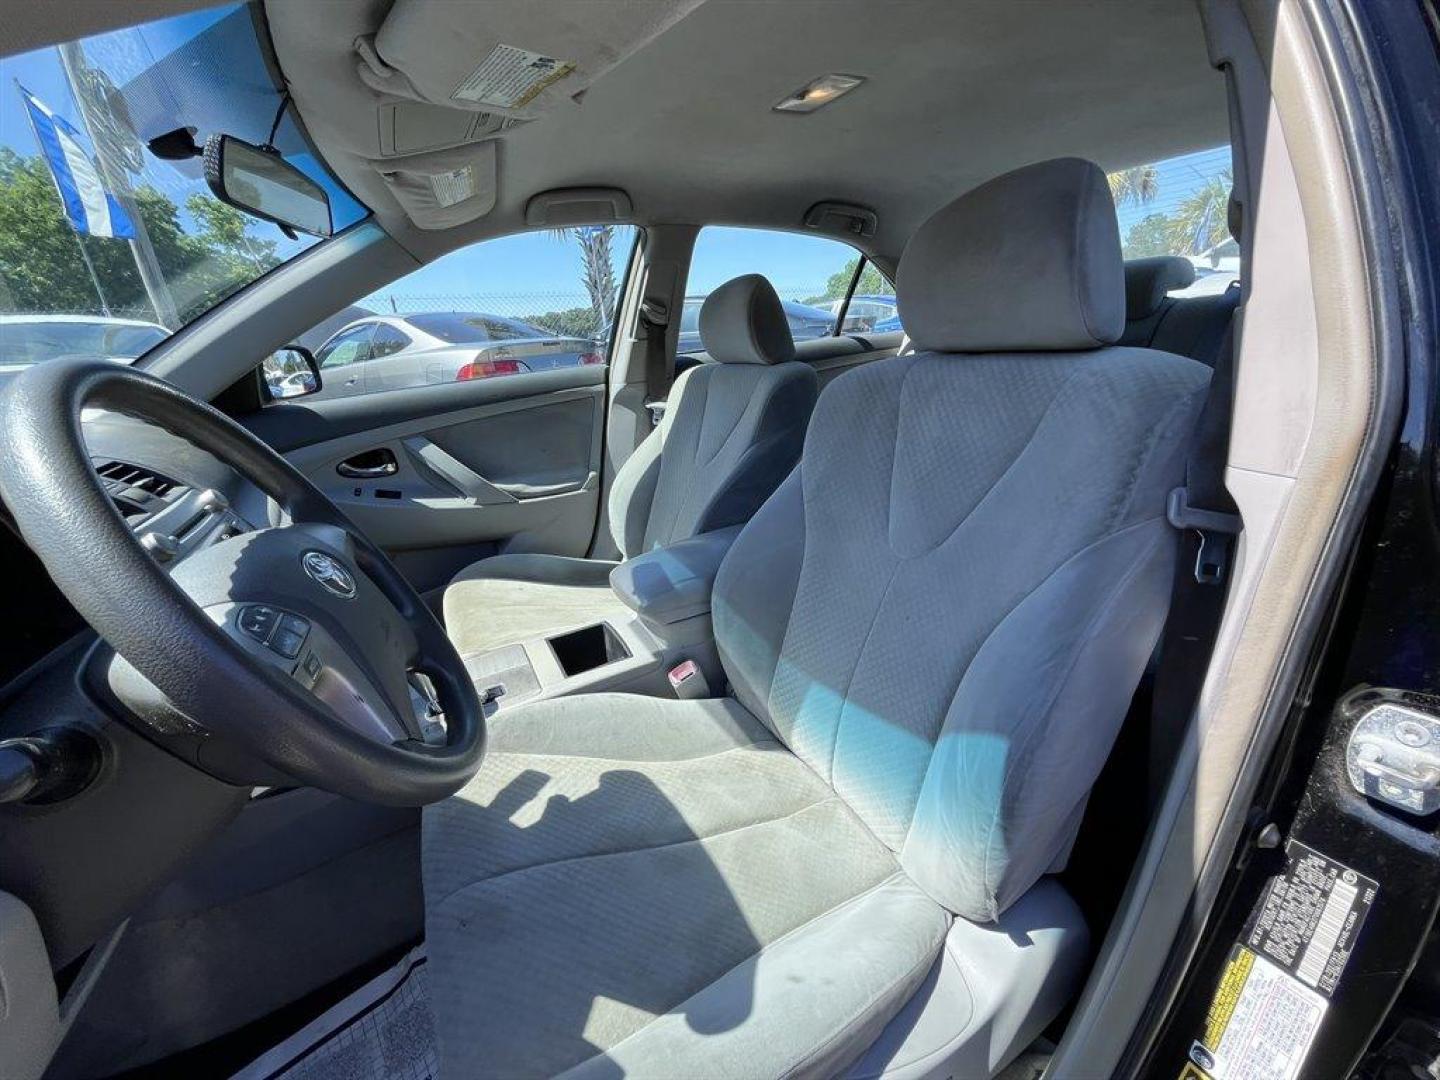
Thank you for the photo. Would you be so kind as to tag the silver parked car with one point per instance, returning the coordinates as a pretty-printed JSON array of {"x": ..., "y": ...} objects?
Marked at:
[
  {"x": 391, "y": 352},
  {"x": 30, "y": 339}
]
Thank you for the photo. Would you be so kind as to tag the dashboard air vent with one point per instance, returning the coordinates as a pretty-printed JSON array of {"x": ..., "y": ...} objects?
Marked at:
[{"x": 138, "y": 492}]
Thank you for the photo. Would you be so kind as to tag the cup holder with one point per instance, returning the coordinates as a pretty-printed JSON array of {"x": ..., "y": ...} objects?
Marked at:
[{"x": 588, "y": 648}]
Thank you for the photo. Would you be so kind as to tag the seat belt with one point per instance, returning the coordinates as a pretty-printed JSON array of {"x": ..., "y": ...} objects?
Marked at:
[
  {"x": 1205, "y": 512},
  {"x": 654, "y": 320}
]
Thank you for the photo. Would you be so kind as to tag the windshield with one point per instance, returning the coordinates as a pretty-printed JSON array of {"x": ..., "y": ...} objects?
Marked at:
[{"x": 105, "y": 247}]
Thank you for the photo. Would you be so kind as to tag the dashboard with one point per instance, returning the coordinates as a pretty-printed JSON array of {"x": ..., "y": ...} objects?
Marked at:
[{"x": 174, "y": 496}]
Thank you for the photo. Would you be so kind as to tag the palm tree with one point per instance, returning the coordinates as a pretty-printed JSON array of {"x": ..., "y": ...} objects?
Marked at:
[
  {"x": 1200, "y": 220},
  {"x": 1137, "y": 185},
  {"x": 597, "y": 268}
]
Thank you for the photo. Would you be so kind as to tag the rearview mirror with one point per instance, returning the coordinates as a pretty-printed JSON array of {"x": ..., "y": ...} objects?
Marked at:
[
  {"x": 261, "y": 182},
  {"x": 290, "y": 372}
]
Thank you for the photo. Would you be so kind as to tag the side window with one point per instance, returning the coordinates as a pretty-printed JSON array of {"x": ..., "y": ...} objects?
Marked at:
[
  {"x": 1180, "y": 206},
  {"x": 387, "y": 340},
  {"x": 872, "y": 308},
  {"x": 812, "y": 275},
  {"x": 346, "y": 348},
  {"x": 513, "y": 306}
]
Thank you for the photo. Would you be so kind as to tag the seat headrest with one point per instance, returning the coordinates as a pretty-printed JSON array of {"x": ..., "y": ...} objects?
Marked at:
[
  {"x": 1028, "y": 262},
  {"x": 742, "y": 322},
  {"x": 1148, "y": 280}
]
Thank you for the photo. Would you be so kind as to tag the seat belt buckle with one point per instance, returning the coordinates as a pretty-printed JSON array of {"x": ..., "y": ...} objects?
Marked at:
[
  {"x": 657, "y": 412},
  {"x": 1212, "y": 560},
  {"x": 688, "y": 681}
]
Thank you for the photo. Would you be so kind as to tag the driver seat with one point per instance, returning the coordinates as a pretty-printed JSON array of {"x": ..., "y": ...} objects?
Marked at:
[{"x": 932, "y": 631}]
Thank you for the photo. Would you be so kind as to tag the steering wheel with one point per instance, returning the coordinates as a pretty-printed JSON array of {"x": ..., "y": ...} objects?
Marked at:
[{"x": 301, "y": 644}]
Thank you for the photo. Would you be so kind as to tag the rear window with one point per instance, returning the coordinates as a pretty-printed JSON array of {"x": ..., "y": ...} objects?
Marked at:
[
  {"x": 811, "y": 274},
  {"x": 1180, "y": 206},
  {"x": 458, "y": 328}
]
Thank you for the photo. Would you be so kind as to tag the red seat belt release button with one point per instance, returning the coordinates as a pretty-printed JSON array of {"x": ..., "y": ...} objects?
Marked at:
[{"x": 688, "y": 681}]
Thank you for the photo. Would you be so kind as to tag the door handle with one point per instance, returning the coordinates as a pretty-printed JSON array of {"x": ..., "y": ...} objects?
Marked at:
[{"x": 371, "y": 465}]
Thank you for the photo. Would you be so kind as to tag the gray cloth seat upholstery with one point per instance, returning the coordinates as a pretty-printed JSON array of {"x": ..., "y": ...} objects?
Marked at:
[
  {"x": 731, "y": 432},
  {"x": 1192, "y": 326},
  {"x": 931, "y": 631}
]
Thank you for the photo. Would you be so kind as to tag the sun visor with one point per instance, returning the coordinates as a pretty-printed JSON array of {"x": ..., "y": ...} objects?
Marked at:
[
  {"x": 446, "y": 187},
  {"x": 509, "y": 58}
]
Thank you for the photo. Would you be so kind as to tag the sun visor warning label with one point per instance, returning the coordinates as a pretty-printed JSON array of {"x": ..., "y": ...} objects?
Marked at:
[
  {"x": 511, "y": 78},
  {"x": 1260, "y": 1025},
  {"x": 453, "y": 187},
  {"x": 1310, "y": 916}
]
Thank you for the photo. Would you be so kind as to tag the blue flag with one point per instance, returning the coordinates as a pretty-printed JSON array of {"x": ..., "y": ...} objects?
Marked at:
[{"x": 90, "y": 208}]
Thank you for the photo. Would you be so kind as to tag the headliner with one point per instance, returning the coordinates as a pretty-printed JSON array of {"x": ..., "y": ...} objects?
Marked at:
[{"x": 957, "y": 91}]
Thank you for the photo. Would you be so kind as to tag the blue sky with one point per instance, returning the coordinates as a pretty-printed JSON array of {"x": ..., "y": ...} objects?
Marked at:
[
  {"x": 126, "y": 55},
  {"x": 798, "y": 265}
]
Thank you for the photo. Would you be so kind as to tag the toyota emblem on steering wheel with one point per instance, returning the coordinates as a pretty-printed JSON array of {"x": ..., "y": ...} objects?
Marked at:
[{"x": 330, "y": 573}]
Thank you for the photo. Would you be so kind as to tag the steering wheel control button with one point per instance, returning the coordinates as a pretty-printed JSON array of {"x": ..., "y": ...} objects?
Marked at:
[
  {"x": 279, "y": 631},
  {"x": 295, "y": 624},
  {"x": 258, "y": 621},
  {"x": 330, "y": 572},
  {"x": 287, "y": 643}
]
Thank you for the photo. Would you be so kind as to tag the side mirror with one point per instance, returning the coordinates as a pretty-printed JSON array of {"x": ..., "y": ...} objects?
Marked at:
[
  {"x": 259, "y": 181},
  {"x": 290, "y": 372}
]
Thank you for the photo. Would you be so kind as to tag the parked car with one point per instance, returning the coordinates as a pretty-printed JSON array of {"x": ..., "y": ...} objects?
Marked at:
[
  {"x": 806, "y": 322},
  {"x": 29, "y": 339},
  {"x": 390, "y": 352},
  {"x": 864, "y": 312},
  {"x": 888, "y": 326}
]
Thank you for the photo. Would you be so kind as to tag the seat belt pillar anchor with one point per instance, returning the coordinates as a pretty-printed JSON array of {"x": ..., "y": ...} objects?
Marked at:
[{"x": 1215, "y": 529}]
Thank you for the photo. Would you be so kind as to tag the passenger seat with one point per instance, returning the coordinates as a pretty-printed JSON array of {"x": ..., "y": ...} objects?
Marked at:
[{"x": 733, "y": 429}]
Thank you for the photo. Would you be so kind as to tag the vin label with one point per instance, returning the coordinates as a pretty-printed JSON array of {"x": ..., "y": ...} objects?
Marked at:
[{"x": 1309, "y": 917}]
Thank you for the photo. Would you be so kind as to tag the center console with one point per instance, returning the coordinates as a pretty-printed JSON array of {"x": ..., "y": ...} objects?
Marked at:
[{"x": 660, "y": 618}]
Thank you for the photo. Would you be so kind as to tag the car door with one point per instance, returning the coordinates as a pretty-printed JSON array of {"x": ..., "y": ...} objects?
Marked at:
[
  {"x": 394, "y": 359},
  {"x": 342, "y": 360},
  {"x": 445, "y": 463}
]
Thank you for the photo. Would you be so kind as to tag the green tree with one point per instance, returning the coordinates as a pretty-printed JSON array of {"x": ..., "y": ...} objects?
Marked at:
[
  {"x": 1138, "y": 185},
  {"x": 597, "y": 268},
  {"x": 871, "y": 282},
  {"x": 1201, "y": 220},
  {"x": 43, "y": 270},
  {"x": 1149, "y": 236},
  {"x": 223, "y": 229},
  {"x": 571, "y": 322}
]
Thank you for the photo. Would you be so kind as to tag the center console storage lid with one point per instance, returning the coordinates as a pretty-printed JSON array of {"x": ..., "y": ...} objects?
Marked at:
[{"x": 673, "y": 583}]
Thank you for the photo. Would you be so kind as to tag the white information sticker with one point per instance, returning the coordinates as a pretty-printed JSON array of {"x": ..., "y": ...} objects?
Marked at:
[
  {"x": 1262, "y": 1023},
  {"x": 510, "y": 78},
  {"x": 454, "y": 186}
]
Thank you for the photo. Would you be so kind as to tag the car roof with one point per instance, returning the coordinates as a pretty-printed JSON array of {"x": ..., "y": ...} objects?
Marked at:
[
  {"x": 981, "y": 89},
  {"x": 85, "y": 320}
]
